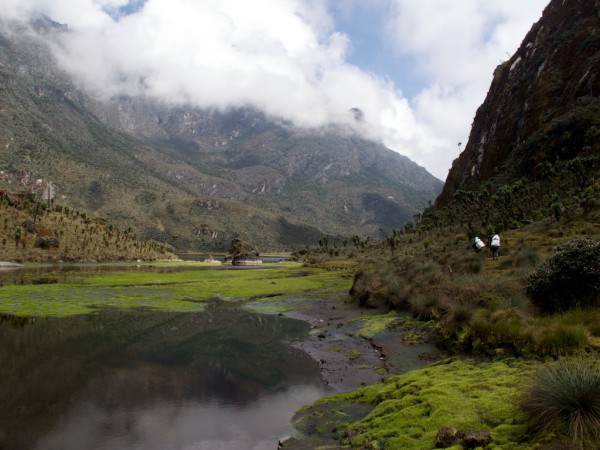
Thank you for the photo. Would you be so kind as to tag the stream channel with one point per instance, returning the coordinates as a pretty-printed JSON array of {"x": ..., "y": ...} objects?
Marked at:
[{"x": 223, "y": 378}]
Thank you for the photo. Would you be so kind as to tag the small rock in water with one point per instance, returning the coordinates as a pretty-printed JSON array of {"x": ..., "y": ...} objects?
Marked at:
[{"x": 282, "y": 441}]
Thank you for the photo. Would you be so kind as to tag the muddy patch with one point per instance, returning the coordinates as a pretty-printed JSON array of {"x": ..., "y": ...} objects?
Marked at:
[{"x": 347, "y": 358}]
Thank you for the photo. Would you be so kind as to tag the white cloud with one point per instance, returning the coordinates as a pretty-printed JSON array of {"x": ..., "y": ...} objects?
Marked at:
[
  {"x": 285, "y": 57},
  {"x": 215, "y": 53}
]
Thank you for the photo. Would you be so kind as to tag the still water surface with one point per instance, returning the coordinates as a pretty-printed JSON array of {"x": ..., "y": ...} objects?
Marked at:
[
  {"x": 221, "y": 379},
  {"x": 68, "y": 273}
]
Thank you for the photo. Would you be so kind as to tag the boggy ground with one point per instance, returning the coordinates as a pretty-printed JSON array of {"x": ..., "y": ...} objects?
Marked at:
[{"x": 358, "y": 346}]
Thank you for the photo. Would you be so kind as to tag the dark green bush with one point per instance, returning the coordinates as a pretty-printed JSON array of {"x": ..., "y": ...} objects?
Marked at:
[
  {"x": 46, "y": 242},
  {"x": 570, "y": 278},
  {"x": 564, "y": 397}
]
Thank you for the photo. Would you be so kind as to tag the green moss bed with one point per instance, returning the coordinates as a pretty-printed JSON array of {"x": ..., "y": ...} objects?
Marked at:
[{"x": 407, "y": 411}]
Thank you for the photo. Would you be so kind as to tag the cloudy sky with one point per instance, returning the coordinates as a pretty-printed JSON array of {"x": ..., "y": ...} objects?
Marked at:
[{"x": 418, "y": 69}]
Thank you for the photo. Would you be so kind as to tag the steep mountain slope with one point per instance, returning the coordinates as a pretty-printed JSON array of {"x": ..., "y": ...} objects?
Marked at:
[
  {"x": 543, "y": 106},
  {"x": 194, "y": 178},
  {"x": 330, "y": 177}
]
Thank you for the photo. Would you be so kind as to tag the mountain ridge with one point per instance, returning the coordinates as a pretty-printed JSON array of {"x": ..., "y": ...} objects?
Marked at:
[{"x": 193, "y": 178}]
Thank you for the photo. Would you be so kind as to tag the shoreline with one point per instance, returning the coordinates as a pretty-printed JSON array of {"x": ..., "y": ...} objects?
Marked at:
[{"x": 349, "y": 360}]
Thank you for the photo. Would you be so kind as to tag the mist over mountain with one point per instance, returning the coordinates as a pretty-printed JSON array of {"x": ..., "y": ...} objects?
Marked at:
[{"x": 193, "y": 177}]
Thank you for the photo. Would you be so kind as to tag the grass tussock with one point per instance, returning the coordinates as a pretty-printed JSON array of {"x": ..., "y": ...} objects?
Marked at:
[
  {"x": 560, "y": 339},
  {"x": 457, "y": 319},
  {"x": 564, "y": 397},
  {"x": 501, "y": 333},
  {"x": 393, "y": 285},
  {"x": 427, "y": 306}
]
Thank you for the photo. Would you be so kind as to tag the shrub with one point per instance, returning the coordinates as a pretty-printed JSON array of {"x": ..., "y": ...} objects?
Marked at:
[
  {"x": 569, "y": 278},
  {"x": 565, "y": 397},
  {"x": 46, "y": 242}
]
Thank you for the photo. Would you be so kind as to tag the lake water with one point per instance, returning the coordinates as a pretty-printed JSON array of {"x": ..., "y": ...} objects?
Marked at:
[
  {"x": 221, "y": 379},
  {"x": 65, "y": 273}
]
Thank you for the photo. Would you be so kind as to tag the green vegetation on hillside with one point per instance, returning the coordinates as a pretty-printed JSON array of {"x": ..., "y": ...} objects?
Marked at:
[
  {"x": 560, "y": 190},
  {"x": 36, "y": 231}
]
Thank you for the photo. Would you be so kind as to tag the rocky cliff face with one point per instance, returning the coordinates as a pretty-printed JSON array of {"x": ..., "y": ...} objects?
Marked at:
[{"x": 543, "y": 104}]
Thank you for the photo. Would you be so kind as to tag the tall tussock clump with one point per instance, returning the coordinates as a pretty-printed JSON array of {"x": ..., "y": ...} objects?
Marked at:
[{"x": 564, "y": 397}]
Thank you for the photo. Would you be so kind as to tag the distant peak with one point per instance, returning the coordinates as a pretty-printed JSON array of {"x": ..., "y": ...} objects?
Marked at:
[{"x": 44, "y": 24}]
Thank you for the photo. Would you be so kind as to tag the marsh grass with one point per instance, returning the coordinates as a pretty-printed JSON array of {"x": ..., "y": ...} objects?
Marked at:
[
  {"x": 489, "y": 291},
  {"x": 501, "y": 332},
  {"x": 170, "y": 291},
  {"x": 463, "y": 262},
  {"x": 568, "y": 333},
  {"x": 527, "y": 256},
  {"x": 458, "y": 318},
  {"x": 394, "y": 283},
  {"x": 564, "y": 397},
  {"x": 374, "y": 324},
  {"x": 560, "y": 339}
]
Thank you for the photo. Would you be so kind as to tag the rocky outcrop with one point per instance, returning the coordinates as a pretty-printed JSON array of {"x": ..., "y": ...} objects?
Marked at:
[
  {"x": 543, "y": 104},
  {"x": 449, "y": 437}
]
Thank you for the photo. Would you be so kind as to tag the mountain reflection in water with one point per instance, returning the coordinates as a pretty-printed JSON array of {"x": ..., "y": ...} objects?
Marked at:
[
  {"x": 221, "y": 379},
  {"x": 69, "y": 273}
]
